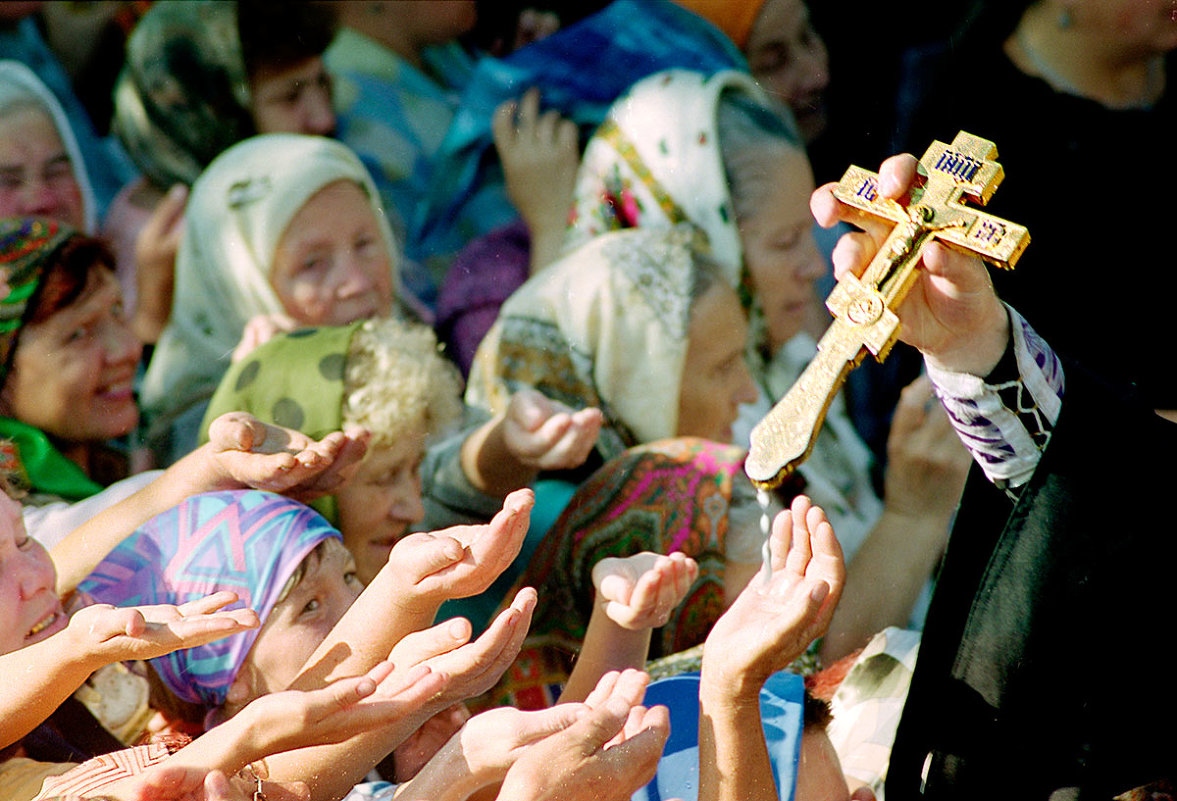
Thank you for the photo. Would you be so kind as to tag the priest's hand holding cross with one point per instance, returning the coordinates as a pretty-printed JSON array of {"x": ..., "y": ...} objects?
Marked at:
[{"x": 914, "y": 288}]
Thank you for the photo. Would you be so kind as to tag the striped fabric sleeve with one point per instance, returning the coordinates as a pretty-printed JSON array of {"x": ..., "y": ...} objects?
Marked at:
[{"x": 1007, "y": 424}]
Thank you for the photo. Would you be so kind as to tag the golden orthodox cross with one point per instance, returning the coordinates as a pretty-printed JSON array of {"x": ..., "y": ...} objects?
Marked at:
[{"x": 864, "y": 308}]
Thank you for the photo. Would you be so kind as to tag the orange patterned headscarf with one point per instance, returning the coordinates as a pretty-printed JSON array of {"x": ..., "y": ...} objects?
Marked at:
[{"x": 733, "y": 17}]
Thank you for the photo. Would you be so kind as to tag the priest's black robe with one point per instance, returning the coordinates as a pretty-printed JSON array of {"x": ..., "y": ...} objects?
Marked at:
[{"x": 1048, "y": 655}]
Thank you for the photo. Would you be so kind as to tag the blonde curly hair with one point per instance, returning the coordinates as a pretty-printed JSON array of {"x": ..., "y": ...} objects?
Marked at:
[{"x": 396, "y": 378}]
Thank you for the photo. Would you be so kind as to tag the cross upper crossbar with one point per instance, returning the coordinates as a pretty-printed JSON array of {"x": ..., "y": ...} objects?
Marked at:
[{"x": 864, "y": 307}]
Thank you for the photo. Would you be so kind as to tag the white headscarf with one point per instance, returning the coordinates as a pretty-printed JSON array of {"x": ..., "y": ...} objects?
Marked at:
[
  {"x": 237, "y": 212},
  {"x": 605, "y": 326},
  {"x": 658, "y": 152},
  {"x": 19, "y": 84}
]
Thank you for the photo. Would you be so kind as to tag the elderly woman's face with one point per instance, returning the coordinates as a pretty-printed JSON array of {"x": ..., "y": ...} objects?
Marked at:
[
  {"x": 30, "y": 610},
  {"x": 715, "y": 376},
  {"x": 36, "y": 173},
  {"x": 779, "y": 249},
  {"x": 73, "y": 373},
  {"x": 382, "y": 501},
  {"x": 332, "y": 265}
]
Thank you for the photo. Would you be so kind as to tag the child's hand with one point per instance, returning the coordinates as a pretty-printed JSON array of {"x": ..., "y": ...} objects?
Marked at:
[
  {"x": 775, "y": 619},
  {"x": 110, "y": 634},
  {"x": 249, "y": 453},
  {"x": 640, "y": 591},
  {"x": 463, "y": 560},
  {"x": 546, "y": 435}
]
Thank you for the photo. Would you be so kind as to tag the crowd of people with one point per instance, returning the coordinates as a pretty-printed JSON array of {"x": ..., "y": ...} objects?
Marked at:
[{"x": 376, "y": 380}]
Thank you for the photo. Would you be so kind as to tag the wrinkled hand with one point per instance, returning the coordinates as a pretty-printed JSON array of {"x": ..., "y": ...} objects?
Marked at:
[
  {"x": 155, "y": 263},
  {"x": 926, "y": 462},
  {"x": 260, "y": 330},
  {"x": 111, "y": 634},
  {"x": 546, "y": 435},
  {"x": 250, "y": 453},
  {"x": 952, "y": 313},
  {"x": 468, "y": 668},
  {"x": 611, "y": 751},
  {"x": 540, "y": 156},
  {"x": 639, "y": 592},
  {"x": 771, "y": 624},
  {"x": 462, "y": 561}
]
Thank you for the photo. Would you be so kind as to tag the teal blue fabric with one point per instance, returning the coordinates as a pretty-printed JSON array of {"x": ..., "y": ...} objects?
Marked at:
[
  {"x": 580, "y": 70},
  {"x": 551, "y": 496}
]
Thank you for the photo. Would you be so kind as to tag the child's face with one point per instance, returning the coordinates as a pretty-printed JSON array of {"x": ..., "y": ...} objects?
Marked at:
[
  {"x": 379, "y": 505},
  {"x": 30, "y": 610},
  {"x": 300, "y": 622}
]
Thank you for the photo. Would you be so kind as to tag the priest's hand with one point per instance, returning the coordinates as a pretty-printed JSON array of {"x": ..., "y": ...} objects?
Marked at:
[{"x": 952, "y": 314}]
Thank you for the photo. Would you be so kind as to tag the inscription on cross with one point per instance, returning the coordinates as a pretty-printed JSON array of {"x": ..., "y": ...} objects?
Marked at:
[{"x": 864, "y": 308}]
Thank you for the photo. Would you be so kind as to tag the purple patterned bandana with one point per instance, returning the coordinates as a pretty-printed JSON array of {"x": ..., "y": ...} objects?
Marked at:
[{"x": 248, "y": 542}]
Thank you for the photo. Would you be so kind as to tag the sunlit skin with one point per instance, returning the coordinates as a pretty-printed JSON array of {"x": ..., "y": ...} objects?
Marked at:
[
  {"x": 73, "y": 374},
  {"x": 36, "y": 174},
  {"x": 293, "y": 99},
  {"x": 789, "y": 59},
  {"x": 379, "y": 504},
  {"x": 332, "y": 265},
  {"x": 715, "y": 375},
  {"x": 298, "y": 624},
  {"x": 30, "y": 610},
  {"x": 779, "y": 249},
  {"x": 819, "y": 772}
]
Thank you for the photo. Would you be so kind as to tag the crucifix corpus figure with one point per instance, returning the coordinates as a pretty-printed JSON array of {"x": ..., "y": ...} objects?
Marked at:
[{"x": 864, "y": 308}]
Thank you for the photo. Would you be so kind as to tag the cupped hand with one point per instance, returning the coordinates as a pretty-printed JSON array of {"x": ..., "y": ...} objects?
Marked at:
[
  {"x": 250, "y": 453},
  {"x": 776, "y": 617},
  {"x": 547, "y": 435},
  {"x": 640, "y": 591},
  {"x": 608, "y": 753},
  {"x": 379, "y": 699},
  {"x": 112, "y": 634},
  {"x": 468, "y": 668},
  {"x": 156, "y": 246},
  {"x": 926, "y": 462},
  {"x": 540, "y": 156},
  {"x": 462, "y": 561},
  {"x": 260, "y": 330}
]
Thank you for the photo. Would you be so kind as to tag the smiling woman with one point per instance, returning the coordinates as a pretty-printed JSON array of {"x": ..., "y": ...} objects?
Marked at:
[{"x": 67, "y": 356}]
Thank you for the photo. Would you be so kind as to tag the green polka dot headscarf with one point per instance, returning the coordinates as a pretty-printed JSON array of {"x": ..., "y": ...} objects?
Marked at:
[{"x": 261, "y": 385}]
